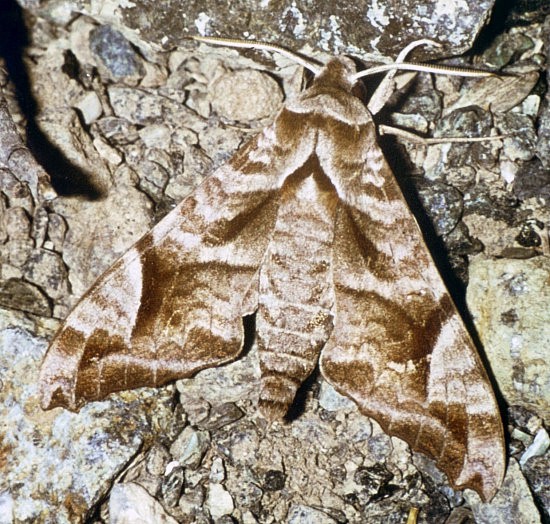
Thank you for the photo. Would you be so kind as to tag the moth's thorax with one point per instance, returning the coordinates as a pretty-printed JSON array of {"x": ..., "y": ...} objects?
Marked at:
[{"x": 331, "y": 95}]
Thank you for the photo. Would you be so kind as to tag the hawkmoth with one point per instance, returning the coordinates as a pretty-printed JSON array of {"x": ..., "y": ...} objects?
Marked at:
[{"x": 306, "y": 228}]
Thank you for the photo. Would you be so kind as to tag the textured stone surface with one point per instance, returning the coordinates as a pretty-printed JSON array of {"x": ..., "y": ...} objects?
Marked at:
[
  {"x": 131, "y": 504},
  {"x": 148, "y": 138},
  {"x": 219, "y": 501},
  {"x": 536, "y": 471},
  {"x": 115, "y": 52},
  {"x": 387, "y": 26},
  {"x": 510, "y": 301},
  {"x": 56, "y": 465},
  {"x": 513, "y": 503},
  {"x": 245, "y": 96},
  {"x": 305, "y": 515}
]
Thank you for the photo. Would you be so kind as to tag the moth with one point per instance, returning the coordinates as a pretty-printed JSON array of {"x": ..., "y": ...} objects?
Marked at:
[{"x": 306, "y": 228}]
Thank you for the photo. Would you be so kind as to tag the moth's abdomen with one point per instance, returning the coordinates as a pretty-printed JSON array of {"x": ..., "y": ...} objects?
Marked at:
[{"x": 296, "y": 296}]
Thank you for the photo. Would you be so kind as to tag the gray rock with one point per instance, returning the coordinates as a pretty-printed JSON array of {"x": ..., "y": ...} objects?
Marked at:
[
  {"x": 498, "y": 93},
  {"x": 300, "y": 514},
  {"x": 521, "y": 144},
  {"x": 512, "y": 503},
  {"x": 58, "y": 464},
  {"x": 115, "y": 52},
  {"x": 217, "y": 470},
  {"x": 192, "y": 501},
  {"x": 245, "y": 96},
  {"x": 138, "y": 106},
  {"x": 46, "y": 269},
  {"x": 503, "y": 49},
  {"x": 100, "y": 231},
  {"x": 532, "y": 180},
  {"x": 331, "y": 400},
  {"x": 536, "y": 471},
  {"x": 118, "y": 131},
  {"x": 329, "y": 26},
  {"x": 172, "y": 486},
  {"x": 24, "y": 296},
  {"x": 443, "y": 203},
  {"x": 510, "y": 300},
  {"x": 157, "y": 459},
  {"x": 236, "y": 381},
  {"x": 190, "y": 446},
  {"x": 221, "y": 416}
]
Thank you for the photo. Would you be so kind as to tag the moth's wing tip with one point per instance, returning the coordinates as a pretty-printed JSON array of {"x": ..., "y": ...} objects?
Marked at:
[
  {"x": 49, "y": 402},
  {"x": 484, "y": 491},
  {"x": 56, "y": 380},
  {"x": 486, "y": 483},
  {"x": 490, "y": 489},
  {"x": 55, "y": 393}
]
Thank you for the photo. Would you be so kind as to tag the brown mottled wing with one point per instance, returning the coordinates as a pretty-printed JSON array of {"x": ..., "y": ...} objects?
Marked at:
[
  {"x": 399, "y": 347},
  {"x": 173, "y": 304}
]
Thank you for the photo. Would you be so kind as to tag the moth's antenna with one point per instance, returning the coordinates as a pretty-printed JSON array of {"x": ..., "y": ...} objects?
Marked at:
[
  {"x": 384, "y": 90},
  {"x": 256, "y": 44},
  {"x": 399, "y": 63},
  {"x": 424, "y": 68},
  {"x": 416, "y": 43},
  {"x": 386, "y": 86}
]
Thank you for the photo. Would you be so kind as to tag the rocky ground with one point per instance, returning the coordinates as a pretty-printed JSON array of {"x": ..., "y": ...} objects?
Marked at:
[{"x": 108, "y": 118}]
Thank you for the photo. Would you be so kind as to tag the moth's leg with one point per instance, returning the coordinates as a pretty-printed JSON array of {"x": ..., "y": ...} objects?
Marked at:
[
  {"x": 413, "y": 515},
  {"x": 386, "y": 87},
  {"x": 416, "y": 139}
]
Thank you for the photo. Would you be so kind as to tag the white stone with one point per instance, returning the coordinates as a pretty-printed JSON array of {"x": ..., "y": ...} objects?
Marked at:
[
  {"x": 171, "y": 466},
  {"x": 155, "y": 135},
  {"x": 131, "y": 504},
  {"x": 110, "y": 154},
  {"x": 539, "y": 446},
  {"x": 508, "y": 170},
  {"x": 90, "y": 107},
  {"x": 219, "y": 501},
  {"x": 6, "y": 508},
  {"x": 217, "y": 470}
]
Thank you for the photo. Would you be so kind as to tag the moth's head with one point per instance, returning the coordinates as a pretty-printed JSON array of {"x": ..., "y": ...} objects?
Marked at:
[{"x": 339, "y": 72}]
